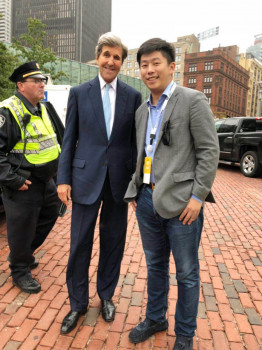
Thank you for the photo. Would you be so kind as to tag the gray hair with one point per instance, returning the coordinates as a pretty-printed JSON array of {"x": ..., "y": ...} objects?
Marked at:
[{"x": 111, "y": 40}]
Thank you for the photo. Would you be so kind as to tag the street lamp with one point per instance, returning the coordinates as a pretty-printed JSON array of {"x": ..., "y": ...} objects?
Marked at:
[{"x": 259, "y": 105}]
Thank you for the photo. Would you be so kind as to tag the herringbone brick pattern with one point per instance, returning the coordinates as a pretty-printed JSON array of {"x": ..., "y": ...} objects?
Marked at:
[{"x": 230, "y": 306}]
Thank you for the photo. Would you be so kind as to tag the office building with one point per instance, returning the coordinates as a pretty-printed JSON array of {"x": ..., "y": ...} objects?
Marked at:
[
  {"x": 73, "y": 26},
  {"x": 5, "y": 20},
  {"x": 256, "y": 49},
  {"x": 254, "y": 67}
]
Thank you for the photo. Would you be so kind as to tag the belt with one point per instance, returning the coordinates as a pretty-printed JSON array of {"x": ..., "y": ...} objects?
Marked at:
[{"x": 151, "y": 185}]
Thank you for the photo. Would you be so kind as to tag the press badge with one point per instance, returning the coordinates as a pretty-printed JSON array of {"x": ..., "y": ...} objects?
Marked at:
[{"x": 147, "y": 170}]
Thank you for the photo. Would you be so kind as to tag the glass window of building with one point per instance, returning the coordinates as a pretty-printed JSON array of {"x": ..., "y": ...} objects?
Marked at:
[
  {"x": 128, "y": 72},
  {"x": 178, "y": 58},
  {"x": 177, "y": 75},
  {"x": 208, "y": 79},
  {"x": 130, "y": 57},
  {"x": 136, "y": 72},
  {"x": 191, "y": 80},
  {"x": 192, "y": 67},
  {"x": 178, "y": 49},
  {"x": 178, "y": 66},
  {"x": 129, "y": 64},
  {"x": 208, "y": 65},
  {"x": 208, "y": 90}
]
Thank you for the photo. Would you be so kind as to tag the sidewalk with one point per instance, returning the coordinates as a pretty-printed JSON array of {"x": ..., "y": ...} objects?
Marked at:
[{"x": 230, "y": 306}]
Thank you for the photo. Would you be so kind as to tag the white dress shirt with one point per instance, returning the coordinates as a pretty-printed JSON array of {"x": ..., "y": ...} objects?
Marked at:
[{"x": 112, "y": 96}]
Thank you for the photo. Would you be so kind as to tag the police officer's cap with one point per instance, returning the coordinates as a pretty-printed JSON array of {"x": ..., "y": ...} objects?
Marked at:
[{"x": 26, "y": 70}]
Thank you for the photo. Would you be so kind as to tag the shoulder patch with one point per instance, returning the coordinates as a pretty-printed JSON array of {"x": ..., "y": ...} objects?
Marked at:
[{"x": 2, "y": 120}]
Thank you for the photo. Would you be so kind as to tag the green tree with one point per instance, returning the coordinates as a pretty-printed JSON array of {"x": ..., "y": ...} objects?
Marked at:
[
  {"x": 33, "y": 46},
  {"x": 8, "y": 62}
]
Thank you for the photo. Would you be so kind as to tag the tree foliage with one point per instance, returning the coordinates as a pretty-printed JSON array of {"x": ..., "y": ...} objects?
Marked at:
[
  {"x": 8, "y": 62},
  {"x": 33, "y": 46}
]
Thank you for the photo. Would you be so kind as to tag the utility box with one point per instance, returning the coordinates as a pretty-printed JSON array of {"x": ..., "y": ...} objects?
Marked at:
[{"x": 58, "y": 96}]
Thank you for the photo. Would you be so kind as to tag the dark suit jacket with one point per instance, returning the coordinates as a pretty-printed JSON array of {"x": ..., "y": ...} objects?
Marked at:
[{"x": 87, "y": 154}]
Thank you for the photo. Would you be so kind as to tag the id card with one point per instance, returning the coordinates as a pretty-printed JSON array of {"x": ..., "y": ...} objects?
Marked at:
[{"x": 147, "y": 170}]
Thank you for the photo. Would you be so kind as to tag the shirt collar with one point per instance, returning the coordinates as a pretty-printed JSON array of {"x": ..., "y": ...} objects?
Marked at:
[
  {"x": 163, "y": 96},
  {"x": 34, "y": 110},
  {"x": 103, "y": 82}
]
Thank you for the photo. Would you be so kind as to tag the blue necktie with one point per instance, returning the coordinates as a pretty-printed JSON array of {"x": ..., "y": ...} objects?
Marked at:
[{"x": 107, "y": 109}]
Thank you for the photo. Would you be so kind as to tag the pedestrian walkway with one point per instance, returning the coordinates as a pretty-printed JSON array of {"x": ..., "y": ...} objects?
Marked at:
[{"x": 230, "y": 306}]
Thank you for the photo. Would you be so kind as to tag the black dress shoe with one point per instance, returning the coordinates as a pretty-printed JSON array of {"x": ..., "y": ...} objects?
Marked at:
[
  {"x": 29, "y": 285},
  {"x": 108, "y": 310},
  {"x": 145, "y": 329},
  {"x": 32, "y": 266},
  {"x": 70, "y": 321},
  {"x": 183, "y": 343}
]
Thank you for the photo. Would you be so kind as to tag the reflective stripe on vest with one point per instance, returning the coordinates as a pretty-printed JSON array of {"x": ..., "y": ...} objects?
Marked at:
[{"x": 42, "y": 145}]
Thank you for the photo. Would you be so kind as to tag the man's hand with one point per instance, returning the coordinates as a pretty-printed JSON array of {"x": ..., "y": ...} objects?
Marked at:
[
  {"x": 25, "y": 186},
  {"x": 64, "y": 193},
  {"x": 191, "y": 212}
]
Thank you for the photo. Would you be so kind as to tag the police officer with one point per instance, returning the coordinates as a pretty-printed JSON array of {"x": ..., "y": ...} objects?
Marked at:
[{"x": 28, "y": 162}]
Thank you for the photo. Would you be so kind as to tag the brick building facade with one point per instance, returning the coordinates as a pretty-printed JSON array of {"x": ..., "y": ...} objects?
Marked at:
[{"x": 221, "y": 78}]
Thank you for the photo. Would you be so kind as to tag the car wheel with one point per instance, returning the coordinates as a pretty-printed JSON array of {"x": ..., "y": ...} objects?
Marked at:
[{"x": 249, "y": 164}]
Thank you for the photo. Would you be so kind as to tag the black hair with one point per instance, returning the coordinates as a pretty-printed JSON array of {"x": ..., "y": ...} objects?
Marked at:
[{"x": 156, "y": 44}]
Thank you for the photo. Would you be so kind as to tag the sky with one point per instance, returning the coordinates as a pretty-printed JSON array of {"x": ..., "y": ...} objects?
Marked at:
[{"x": 135, "y": 21}]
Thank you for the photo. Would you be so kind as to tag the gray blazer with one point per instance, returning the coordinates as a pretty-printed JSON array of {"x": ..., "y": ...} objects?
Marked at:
[{"x": 188, "y": 165}]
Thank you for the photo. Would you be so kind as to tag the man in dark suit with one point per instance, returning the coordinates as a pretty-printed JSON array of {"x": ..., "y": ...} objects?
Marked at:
[
  {"x": 176, "y": 132},
  {"x": 97, "y": 160}
]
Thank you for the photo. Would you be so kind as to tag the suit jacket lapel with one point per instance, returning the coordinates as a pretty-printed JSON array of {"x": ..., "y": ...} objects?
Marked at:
[
  {"x": 121, "y": 98},
  {"x": 168, "y": 112},
  {"x": 96, "y": 100},
  {"x": 141, "y": 131}
]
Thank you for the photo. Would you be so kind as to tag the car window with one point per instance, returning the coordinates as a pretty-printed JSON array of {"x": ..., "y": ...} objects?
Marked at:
[
  {"x": 248, "y": 125},
  {"x": 259, "y": 124},
  {"x": 229, "y": 125},
  {"x": 218, "y": 124}
]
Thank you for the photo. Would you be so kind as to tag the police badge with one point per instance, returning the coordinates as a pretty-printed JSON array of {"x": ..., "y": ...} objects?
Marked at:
[{"x": 2, "y": 120}]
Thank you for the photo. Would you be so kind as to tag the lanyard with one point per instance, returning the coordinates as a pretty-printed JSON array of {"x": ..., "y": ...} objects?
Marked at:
[{"x": 154, "y": 128}]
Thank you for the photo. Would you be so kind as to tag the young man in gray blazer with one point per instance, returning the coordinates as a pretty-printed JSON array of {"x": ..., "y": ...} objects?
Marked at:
[{"x": 177, "y": 159}]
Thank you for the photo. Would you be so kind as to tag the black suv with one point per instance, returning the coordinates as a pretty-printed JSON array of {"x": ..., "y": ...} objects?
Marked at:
[{"x": 240, "y": 141}]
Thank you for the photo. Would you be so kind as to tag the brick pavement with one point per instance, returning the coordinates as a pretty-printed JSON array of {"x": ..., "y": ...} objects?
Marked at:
[{"x": 230, "y": 306}]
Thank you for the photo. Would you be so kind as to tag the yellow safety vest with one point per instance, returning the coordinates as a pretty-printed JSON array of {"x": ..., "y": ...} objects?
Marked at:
[{"x": 42, "y": 146}]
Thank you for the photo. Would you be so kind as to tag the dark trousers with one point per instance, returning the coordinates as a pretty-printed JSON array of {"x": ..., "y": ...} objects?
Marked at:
[
  {"x": 30, "y": 216},
  {"x": 113, "y": 224}
]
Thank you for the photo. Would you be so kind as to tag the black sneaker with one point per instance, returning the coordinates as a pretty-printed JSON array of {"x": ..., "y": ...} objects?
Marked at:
[
  {"x": 29, "y": 285},
  {"x": 183, "y": 343},
  {"x": 145, "y": 329}
]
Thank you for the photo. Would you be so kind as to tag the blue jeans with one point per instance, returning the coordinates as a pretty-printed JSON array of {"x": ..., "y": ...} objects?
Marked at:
[{"x": 159, "y": 237}]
